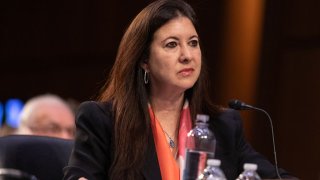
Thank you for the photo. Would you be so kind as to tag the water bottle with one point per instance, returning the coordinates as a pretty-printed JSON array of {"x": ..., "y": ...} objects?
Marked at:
[
  {"x": 200, "y": 146},
  {"x": 249, "y": 172},
  {"x": 212, "y": 171}
]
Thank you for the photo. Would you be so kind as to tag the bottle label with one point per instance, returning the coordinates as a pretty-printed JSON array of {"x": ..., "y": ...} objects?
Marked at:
[{"x": 195, "y": 163}]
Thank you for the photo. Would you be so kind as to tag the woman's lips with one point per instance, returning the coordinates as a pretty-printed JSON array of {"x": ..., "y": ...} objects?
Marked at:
[{"x": 186, "y": 71}]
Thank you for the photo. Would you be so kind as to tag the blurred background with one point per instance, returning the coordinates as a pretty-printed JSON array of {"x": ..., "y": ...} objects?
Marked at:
[{"x": 265, "y": 53}]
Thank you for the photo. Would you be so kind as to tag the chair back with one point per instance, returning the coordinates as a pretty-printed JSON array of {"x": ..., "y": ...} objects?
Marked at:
[{"x": 39, "y": 156}]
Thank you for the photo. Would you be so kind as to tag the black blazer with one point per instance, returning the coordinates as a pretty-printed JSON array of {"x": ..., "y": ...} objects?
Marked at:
[{"x": 90, "y": 157}]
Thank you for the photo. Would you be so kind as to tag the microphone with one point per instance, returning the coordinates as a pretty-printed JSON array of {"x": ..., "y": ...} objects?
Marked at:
[{"x": 239, "y": 105}]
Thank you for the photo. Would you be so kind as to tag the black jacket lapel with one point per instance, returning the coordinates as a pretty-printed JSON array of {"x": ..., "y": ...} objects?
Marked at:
[{"x": 151, "y": 169}]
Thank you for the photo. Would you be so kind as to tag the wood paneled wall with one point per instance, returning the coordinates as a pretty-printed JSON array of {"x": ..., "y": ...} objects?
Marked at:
[{"x": 289, "y": 85}]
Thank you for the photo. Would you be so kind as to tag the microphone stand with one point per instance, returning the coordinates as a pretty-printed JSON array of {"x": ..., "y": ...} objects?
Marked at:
[{"x": 272, "y": 134}]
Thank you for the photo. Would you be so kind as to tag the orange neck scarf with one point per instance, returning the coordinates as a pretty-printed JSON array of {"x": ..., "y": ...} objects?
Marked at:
[{"x": 168, "y": 167}]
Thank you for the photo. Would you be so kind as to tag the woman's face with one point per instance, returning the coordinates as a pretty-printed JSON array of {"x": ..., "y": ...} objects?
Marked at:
[{"x": 174, "y": 63}]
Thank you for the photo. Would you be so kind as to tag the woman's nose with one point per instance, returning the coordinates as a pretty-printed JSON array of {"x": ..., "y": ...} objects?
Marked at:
[{"x": 185, "y": 54}]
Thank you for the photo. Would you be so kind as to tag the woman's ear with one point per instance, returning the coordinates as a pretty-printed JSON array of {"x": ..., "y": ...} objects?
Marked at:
[{"x": 144, "y": 65}]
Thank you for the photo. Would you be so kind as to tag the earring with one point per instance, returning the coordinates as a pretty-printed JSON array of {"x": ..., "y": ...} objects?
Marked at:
[{"x": 145, "y": 77}]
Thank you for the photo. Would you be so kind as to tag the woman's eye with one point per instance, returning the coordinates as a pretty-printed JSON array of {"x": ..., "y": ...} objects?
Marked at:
[
  {"x": 171, "y": 44},
  {"x": 194, "y": 43}
]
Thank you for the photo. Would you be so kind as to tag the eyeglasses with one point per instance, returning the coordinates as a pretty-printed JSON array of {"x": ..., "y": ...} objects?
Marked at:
[{"x": 54, "y": 129}]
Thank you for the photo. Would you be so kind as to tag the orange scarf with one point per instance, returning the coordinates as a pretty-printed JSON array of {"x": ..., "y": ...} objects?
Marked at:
[{"x": 168, "y": 167}]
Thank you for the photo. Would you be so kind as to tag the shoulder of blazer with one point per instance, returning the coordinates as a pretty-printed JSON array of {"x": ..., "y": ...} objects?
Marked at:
[
  {"x": 227, "y": 118},
  {"x": 105, "y": 107},
  {"x": 99, "y": 114},
  {"x": 227, "y": 127}
]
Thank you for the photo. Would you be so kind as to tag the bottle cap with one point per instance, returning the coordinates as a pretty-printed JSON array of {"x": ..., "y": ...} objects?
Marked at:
[
  {"x": 213, "y": 162},
  {"x": 202, "y": 118},
  {"x": 250, "y": 166}
]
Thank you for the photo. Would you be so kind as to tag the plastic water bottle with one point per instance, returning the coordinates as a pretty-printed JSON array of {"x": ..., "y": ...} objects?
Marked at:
[
  {"x": 249, "y": 173},
  {"x": 212, "y": 171},
  {"x": 200, "y": 146}
]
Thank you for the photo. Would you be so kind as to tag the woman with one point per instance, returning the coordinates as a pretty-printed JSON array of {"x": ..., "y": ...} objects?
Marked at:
[{"x": 157, "y": 86}]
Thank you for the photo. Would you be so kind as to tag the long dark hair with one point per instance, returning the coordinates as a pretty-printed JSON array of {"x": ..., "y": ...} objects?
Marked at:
[{"x": 129, "y": 95}]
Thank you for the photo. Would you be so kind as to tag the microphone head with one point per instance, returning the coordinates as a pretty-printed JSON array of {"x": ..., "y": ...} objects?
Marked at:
[{"x": 237, "y": 104}]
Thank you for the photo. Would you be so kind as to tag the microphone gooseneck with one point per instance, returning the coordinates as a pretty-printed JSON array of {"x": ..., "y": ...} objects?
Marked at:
[{"x": 239, "y": 105}]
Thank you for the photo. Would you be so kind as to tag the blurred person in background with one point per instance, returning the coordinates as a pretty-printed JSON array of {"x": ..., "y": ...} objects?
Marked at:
[{"x": 47, "y": 115}]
